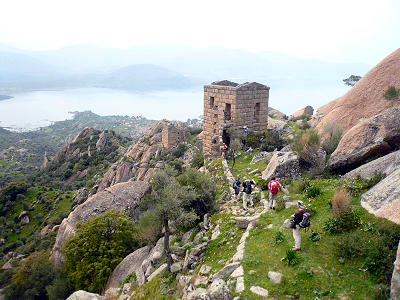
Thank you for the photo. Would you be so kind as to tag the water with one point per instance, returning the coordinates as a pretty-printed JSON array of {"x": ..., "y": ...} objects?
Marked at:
[{"x": 29, "y": 111}]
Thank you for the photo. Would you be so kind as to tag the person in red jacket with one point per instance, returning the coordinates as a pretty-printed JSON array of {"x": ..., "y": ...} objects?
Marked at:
[{"x": 274, "y": 187}]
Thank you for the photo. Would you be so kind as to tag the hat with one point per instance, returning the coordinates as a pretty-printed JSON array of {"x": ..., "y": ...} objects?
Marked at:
[
  {"x": 300, "y": 204},
  {"x": 245, "y": 178}
]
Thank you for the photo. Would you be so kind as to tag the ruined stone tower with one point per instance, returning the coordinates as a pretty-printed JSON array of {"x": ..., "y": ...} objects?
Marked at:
[{"x": 245, "y": 105}]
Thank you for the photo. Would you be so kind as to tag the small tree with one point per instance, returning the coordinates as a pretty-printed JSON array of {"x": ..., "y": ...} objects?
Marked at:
[
  {"x": 171, "y": 202},
  {"x": 306, "y": 145},
  {"x": 98, "y": 247},
  {"x": 352, "y": 80},
  {"x": 391, "y": 93}
]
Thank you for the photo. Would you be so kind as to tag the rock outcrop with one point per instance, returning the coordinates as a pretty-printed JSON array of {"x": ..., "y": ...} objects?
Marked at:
[
  {"x": 84, "y": 133},
  {"x": 308, "y": 110},
  {"x": 123, "y": 196},
  {"x": 364, "y": 100},
  {"x": 286, "y": 164},
  {"x": 378, "y": 134}
]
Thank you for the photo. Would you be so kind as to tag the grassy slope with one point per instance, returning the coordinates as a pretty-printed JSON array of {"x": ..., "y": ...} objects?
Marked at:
[{"x": 319, "y": 273}]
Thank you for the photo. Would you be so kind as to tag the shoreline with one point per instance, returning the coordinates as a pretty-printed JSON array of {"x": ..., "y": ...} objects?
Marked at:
[{"x": 21, "y": 91}]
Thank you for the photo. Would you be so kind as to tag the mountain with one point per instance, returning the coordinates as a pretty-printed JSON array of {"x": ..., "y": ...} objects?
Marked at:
[{"x": 145, "y": 77}]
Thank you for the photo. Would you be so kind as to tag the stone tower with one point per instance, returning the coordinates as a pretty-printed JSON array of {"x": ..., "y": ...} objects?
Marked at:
[{"x": 245, "y": 105}]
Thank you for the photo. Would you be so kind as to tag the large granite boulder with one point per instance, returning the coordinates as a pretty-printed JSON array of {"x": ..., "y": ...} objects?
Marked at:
[
  {"x": 365, "y": 99},
  {"x": 285, "y": 164},
  {"x": 121, "y": 197},
  {"x": 378, "y": 134},
  {"x": 385, "y": 165},
  {"x": 83, "y": 295},
  {"x": 308, "y": 110},
  {"x": 276, "y": 125},
  {"x": 131, "y": 263},
  {"x": 383, "y": 199},
  {"x": 83, "y": 134}
]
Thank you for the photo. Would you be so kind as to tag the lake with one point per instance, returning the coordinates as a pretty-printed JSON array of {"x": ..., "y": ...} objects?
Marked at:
[{"x": 29, "y": 111}]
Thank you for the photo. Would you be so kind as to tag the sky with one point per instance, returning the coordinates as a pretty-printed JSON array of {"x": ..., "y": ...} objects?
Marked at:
[{"x": 364, "y": 31}]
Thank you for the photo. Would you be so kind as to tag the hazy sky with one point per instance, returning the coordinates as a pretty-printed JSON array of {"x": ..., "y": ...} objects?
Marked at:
[{"x": 338, "y": 31}]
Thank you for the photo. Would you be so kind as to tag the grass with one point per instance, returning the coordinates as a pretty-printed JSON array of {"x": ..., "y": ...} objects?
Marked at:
[{"x": 318, "y": 272}]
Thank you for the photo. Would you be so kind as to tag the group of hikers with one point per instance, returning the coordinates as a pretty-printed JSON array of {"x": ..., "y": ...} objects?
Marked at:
[{"x": 300, "y": 219}]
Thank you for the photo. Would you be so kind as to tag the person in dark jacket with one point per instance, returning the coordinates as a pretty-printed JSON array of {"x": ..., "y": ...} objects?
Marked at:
[{"x": 297, "y": 218}]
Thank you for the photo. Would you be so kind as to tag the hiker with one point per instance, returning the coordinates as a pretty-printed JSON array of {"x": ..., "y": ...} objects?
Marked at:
[
  {"x": 246, "y": 129},
  {"x": 244, "y": 144},
  {"x": 225, "y": 148},
  {"x": 261, "y": 139},
  {"x": 274, "y": 187},
  {"x": 247, "y": 189},
  {"x": 297, "y": 218},
  {"x": 236, "y": 186}
]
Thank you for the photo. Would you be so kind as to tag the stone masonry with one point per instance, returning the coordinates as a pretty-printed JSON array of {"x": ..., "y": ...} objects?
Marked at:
[
  {"x": 172, "y": 134},
  {"x": 246, "y": 105}
]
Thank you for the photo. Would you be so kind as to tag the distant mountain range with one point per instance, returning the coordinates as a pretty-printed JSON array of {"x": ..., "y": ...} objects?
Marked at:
[{"x": 162, "y": 67}]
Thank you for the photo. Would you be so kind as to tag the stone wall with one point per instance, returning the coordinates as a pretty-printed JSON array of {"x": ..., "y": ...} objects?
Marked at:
[
  {"x": 246, "y": 105},
  {"x": 173, "y": 134}
]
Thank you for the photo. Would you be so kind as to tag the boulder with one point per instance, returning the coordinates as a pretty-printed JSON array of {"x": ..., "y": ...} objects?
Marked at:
[
  {"x": 385, "y": 165},
  {"x": 121, "y": 171},
  {"x": 82, "y": 295},
  {"x": 220, "y": 291},
  {"x": 365, "y": 99},
  {"x": 243, "y": 222},
  {"x": 122, "y": 196},
  {"x": 127, "y": 266},
  {"x": 308, "y": 110},
  {"x": 383, "y": 199},
  {"x": 259, "y": 291},
  {"x": 274, "y": 113},
  {"x": 83, "y": 134},
  {"x": 80, "y": 196},
  {"x": 378, "y": 134},
  {"x": 226, "y": 271},
  {"x": 284, "y": 165},
  {"x": 162, "y": 268},
  {"x": 276, "y": 125}
]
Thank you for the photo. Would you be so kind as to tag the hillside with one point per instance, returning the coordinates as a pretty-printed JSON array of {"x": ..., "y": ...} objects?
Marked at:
[{"x": 23, "y": 153}]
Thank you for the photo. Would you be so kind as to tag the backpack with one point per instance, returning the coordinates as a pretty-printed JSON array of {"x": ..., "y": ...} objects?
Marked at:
[
  {"x": 235, "y": 185},
  {"x": 247, "y": 187},
  {"x": 305, "y": 222},
  {"x": 274, "y": 187}
]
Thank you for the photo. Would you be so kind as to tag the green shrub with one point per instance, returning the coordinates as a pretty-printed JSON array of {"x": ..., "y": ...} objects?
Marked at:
[
  {"x": 356, "y": 186},
  {"x": 198, "y": 160},
  {"x": 306, "y": 145},
  {"x": 262, "y": 184},
  {"x": 391, "y": 93},
  {"x": 97, "y": 248},
  {"x": 291, "y": 258},
  {"x": 381, "y": 292},
  {"x": 315, "y": 236}
]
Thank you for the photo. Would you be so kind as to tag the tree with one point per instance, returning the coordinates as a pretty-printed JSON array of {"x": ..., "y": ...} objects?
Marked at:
[
  {"x": 171, "y": 202},
  {"x": 34, "y": 276},
  {"x": 352, "y": 80},
  {"x": 98, "y": 247}
]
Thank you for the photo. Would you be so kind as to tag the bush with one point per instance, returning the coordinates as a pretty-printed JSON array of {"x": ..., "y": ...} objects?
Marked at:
[
  {"x": 334, "y": 134},
  {"x": 262, "y": 184},
  {"x": 197, "y": 161},
  {"x": 97, "y": 248},
  {"x": 391, "y": 93},
  {"x": 34, "y": 276},
  {"x": 356, "y": 186},
  {"x": 306, "y": 145}
]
